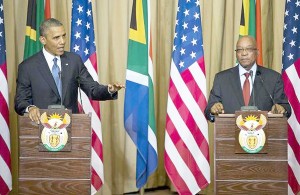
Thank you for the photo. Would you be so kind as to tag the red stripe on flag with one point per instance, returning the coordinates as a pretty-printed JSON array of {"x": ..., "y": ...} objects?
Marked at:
[
  {"x": 3, "y": 187},
  {"x": 95, "y": 179},
  {"x": 176, "y": 179},
  {"x": 196, "y": 92},
  {"x": 96, "y": 107},
  {"x": 201, "y": 63},
  {"x": 294, "y": 143},
  {"x": 189, "y": 120},
  {"x": 185, "y": 153},
  {"x": 5, "y": 152},
  {"x": 4, "y": 108},
  {"x": 93, "y": 59},
  {"x": 293, "y": 181},
  {"x": 97, "y": 144}
]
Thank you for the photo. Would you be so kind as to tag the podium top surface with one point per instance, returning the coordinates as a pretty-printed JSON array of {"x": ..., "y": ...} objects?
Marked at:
[{"x": 270, "y": 115}]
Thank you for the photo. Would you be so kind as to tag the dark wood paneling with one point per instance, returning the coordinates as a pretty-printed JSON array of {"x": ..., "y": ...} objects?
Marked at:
[
  {"x": 55, "y": 168},
  {"x": 251, "y": 188},
  {"x": 251, "y": 170},
  {"x": 277, "y": 150},
  {"x": 250, "y": 173},
  {"x": 55, "y": 172},
  {"x": 226, "y": 128},
  {"x": 81, "y": 124},
  {"x": 80, "y": 149},
  {"x": 50, "y": 187}
]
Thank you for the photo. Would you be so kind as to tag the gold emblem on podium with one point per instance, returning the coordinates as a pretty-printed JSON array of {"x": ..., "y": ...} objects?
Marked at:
[
  {"x": 54, "y": 135},
  {"x": 252, "y": 137}
]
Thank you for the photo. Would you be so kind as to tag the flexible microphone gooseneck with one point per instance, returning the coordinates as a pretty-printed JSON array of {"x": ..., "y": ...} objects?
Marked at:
[
  {"x": 60, "y": 82},
  {"x": 253, "y": 91},
  {"x": 258, "y": 73},
  {"x": 80, "y": 99}
]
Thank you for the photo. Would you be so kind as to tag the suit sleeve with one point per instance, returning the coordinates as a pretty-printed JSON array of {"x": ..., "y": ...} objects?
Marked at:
[
  {"x": 23, "y": 96},
  {"x": 214, "y": 97},
  {"x": 91, "y": 88},
  {"x": 280, "y": 97}
]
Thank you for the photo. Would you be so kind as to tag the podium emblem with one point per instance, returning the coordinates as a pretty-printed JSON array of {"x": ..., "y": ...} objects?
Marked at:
[
  {"x": 54, "y": 135},
  {"x": 252, "y": 137}
]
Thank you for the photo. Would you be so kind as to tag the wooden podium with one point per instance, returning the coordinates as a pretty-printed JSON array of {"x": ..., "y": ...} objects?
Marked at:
[
  {"x": 250, "y": 173},
  {"x": 55, "y": 172}
]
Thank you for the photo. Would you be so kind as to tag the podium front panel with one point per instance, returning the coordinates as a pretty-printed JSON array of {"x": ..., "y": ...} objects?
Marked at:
[
  {"x": 250, "y": 173},
  {"x": 59, "y": 172}
]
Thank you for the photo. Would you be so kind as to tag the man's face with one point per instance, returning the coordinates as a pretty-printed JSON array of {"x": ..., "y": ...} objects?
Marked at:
[
  {"x": 54, "y": 40},
  {"x": 246, "y": 52}
]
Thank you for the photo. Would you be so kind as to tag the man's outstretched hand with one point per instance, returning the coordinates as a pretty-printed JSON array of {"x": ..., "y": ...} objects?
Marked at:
[{"x": 112, "y": 88}]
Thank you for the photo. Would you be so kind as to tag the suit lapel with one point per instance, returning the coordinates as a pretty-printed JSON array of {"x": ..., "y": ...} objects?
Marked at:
[
  {"x": 45, "y": 71},
  {"x": 236, "y": 84},
  {"x": 65, "y": 66}
]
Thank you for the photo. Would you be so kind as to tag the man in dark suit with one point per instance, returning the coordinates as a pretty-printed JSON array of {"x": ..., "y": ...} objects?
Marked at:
[
  {"x": 267, "y": 92},
  {"x": 36, "y": 84}
]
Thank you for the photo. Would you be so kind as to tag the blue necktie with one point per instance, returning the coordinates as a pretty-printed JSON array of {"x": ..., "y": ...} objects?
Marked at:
[{"x": 56, "y": 75}]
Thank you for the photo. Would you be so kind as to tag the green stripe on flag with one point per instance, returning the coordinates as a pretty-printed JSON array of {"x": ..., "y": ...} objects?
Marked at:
[{"x": 35, "y": 16}]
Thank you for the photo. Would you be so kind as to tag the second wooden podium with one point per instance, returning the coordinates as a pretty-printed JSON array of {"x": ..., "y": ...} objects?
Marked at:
[{"x": 250, "y": 173}]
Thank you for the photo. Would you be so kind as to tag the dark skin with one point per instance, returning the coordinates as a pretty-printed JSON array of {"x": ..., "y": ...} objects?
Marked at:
[{"x": 246, "y": 54}]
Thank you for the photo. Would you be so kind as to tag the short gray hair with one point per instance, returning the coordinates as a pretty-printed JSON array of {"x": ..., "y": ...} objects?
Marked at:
[{"x": 46, "y": 24}]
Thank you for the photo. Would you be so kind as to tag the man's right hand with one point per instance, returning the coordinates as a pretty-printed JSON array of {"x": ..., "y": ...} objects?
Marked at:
[
  {"x": 217, "y": 108},
  {"x": 34, "y": 114}
]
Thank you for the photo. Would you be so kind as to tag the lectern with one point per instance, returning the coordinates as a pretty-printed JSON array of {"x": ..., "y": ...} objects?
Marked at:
[
  {"x": 62, "y": 172},
  {"x": 244, "y": 173}
]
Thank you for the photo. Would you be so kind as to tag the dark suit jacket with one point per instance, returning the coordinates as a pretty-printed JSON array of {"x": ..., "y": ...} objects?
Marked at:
[
  {"x": 227, "y": 90},
  {"x": 36, "y": 86}
]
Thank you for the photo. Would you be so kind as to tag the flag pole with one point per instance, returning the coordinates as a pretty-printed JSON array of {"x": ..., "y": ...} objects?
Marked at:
[{"x": 142, "y": 191}]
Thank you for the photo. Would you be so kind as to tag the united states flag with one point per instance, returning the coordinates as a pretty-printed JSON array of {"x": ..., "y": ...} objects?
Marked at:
[
  {"x": 83, "y": 43},
  {"x": 5, "y": 166},
  {"x": 186, "y": 138},
  {"x": 290, "y": 75}
]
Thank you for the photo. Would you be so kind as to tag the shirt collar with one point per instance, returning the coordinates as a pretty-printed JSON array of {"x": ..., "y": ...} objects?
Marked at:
[
  {"x": 49, "y": 57},
  {"x": 242, "y": 70}
]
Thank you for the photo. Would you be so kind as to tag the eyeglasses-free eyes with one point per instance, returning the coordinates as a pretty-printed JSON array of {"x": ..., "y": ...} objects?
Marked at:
[{"x": 247, "y": 50}]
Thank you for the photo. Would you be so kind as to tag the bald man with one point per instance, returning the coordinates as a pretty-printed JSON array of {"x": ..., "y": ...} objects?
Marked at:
[{"x": 226, "y": 95}]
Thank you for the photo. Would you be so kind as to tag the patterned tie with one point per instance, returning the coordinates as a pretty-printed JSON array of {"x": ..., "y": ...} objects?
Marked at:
[
  {"x": 246, "y": 89},
  {"x": 56, "y": 75}
]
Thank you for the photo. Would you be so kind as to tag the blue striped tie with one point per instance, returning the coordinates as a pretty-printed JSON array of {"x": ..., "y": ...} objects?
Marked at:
[{"x": 56, "y": 75}]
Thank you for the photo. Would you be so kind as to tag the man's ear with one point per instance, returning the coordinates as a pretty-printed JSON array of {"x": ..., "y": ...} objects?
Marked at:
[{"x": 43, "y": 40}]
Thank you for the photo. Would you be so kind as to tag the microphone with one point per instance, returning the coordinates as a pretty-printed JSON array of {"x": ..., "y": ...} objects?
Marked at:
[
  {"x": 258, "y": 73},
  {"x": 80, "y": 99},
  {"x": 252, "y": 108}
]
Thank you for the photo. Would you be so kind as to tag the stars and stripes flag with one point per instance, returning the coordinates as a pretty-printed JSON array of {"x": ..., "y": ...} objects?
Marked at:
[
  {"x": 5, "y": 159},
  {"x": 290, "y": 75},
  {"x": 186, "y": 138},
  {"x": 139, "y": 115},
  {"x": 83, "y": 43}
]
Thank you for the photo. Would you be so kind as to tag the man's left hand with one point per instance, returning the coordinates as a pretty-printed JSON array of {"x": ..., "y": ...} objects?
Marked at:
[
  {"x": 277, "y": 109},
  {"x": 112, "y": 88}
]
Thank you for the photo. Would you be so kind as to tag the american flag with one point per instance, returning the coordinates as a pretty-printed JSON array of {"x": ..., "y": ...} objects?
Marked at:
[
  {"x": 83, "y": 43},
  {"x": 5, "y": 161},
  {"x": 186, "y": 138},
  {"x": 290, "y": 75}
]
